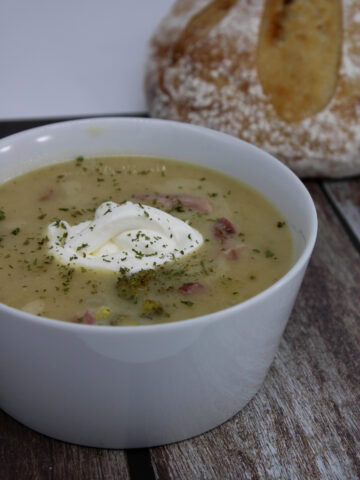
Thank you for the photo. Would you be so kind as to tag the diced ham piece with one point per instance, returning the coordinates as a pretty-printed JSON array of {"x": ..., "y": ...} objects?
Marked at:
[
  {"x": 172, "y": 200},
  {"x": 85, "y": 318},
  {"x": 223, "y": 229},
  {"x": 192, "y": 287},
  {"x": 88, "y": 318},
  {"x": 200, "y": 204},
  {"x": 230, "y": 250},
  {"x": 46, "y": 195},
  {"x": 233, "y": 253}
]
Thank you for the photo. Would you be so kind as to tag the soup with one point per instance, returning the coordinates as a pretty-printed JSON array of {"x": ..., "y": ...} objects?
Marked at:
[{"x": 233, "y": 243}]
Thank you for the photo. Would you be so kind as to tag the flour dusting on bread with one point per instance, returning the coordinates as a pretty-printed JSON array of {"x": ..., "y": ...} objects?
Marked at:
[{"x": 213, "y": 81}]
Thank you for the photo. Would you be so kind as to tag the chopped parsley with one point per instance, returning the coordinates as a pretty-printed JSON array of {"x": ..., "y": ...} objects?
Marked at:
[
  {"x": 187, "y": 303},
  {"x": 178, "y": 207},
  {"x": 83, "y": 245},
  {"x": 203, "y": 268},
  {"x": 79, "y": 161}
]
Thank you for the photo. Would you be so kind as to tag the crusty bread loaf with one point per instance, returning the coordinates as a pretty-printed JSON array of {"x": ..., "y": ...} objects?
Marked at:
[{"x": 282, "y": 74}]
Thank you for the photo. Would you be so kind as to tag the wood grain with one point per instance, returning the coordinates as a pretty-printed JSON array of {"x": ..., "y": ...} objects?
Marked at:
[
  {"x": 345, "y": 195},
  {"x": 304, "y": 422},
  {"x": 25, "y": 454}
]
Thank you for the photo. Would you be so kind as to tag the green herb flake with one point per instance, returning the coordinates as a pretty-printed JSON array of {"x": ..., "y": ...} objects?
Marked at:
[
  {"x": 269, "y": 254},
  {"x": 187, "y": 303},
  {"x": 83, "y": 245},
  {"x": 79, "y": 161},
  {"x": 2, "y": 215},
  {"x": 16, "y": 231},
  {"x": 280, "y": 224},
  {"x": 203, "y": 268}
]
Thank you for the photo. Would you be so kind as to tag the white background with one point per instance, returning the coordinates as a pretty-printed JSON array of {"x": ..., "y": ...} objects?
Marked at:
[{"x": 74, "y": 57}]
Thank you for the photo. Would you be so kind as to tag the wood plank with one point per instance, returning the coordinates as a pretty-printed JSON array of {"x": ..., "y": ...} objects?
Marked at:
[
  {"x": 345, "y": 195},
  {"x": 25, "y": 454},
  {"x": 305, "y": 421}
]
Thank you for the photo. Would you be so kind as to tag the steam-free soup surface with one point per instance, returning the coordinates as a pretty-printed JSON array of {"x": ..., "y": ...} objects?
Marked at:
[{"x": 247, "y": 244}]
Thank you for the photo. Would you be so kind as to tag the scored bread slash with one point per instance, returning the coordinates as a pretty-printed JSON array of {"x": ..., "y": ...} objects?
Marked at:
[
  {"x": 285, "y": 77},
  {"x": 291, "y": 79}
]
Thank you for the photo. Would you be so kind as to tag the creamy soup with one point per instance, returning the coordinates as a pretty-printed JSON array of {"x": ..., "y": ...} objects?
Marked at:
[{"x": 135, "y": 241}]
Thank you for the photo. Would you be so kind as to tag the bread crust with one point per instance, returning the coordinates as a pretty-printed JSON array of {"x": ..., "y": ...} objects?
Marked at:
[{"x": 210, "y": 77}]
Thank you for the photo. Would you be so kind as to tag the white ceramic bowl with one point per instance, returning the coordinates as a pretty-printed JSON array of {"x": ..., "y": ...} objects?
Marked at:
[{"x": 126, "y": 387}]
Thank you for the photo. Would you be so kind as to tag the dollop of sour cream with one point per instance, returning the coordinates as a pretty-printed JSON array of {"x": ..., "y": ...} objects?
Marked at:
[{"x": 128, "y": 237}]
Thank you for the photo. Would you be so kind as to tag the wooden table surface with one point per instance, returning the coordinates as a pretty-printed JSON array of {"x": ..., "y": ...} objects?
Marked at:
[{"x": 304, "y": 423}]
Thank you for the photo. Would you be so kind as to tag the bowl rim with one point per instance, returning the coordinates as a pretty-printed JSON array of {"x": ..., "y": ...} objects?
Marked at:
[{"x": 192, "y": 321}]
